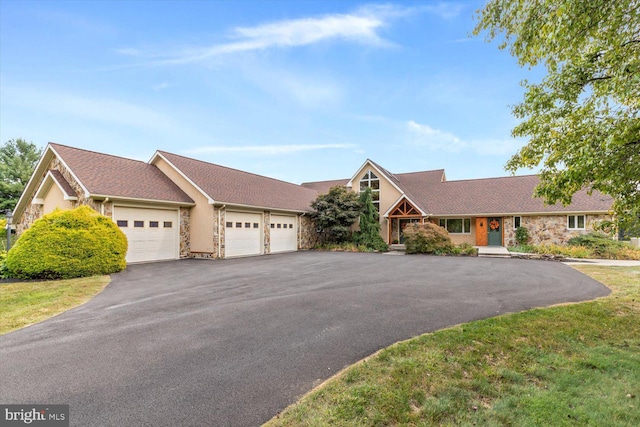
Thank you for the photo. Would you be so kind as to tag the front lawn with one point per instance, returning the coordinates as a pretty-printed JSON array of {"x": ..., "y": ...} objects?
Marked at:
[
  {"x": 25, "y": 303},
  {"x": 571, "y": 365}
]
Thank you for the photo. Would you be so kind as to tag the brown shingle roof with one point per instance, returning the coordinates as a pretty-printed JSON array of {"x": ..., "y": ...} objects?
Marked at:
[
  {"x": 495, "y": 196},
  {"x": 63, "y": 183},
  {"x": 227, "y": 185},
  {"x": 323, "y": 187},
  {"x": 118, "y": 177}
]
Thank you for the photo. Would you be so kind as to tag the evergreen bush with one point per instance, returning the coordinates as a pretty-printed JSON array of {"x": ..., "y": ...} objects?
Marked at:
[
  {"x": 522, "y": 236},
  {"x": 66, "y": 244},
  {"x": 369, "y": 234}
]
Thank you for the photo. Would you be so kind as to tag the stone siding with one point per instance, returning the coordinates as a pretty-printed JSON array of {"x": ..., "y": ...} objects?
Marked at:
[
  {"x": 548, "y": 229},
  {"x": 33, "y": 212},
  {"x": 266, "y": 224},
  {"x": 307, "y": 236},
  {"x": 185, "y": 232}
]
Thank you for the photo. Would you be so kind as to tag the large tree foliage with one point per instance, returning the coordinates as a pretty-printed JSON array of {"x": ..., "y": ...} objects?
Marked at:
[
  {"x": 334, "y": 214},
  {"x": 18, "y": 159},
  {"x": 582, "y": 120},
  {"x": 369, "y": 234}
]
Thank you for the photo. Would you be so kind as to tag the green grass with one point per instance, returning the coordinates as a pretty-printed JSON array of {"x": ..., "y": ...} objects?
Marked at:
[
  {"x": 22, "y": 304},
  {"x": 570, "y": 365}
]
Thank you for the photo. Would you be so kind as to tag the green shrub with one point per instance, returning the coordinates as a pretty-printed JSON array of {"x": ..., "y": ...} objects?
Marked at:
[
  {"x": 67, "y": 244},
  {"x": 4, "y": 273},
  {"x": 602, "y": 246},
  {"x": 522, "y": 236},
  {"x": 426, "y": 238}
]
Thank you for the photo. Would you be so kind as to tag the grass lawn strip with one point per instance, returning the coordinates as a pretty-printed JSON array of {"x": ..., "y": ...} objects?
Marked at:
[
  {"x": 570, "y": 365},
  {"x": 25, "y": 303}
]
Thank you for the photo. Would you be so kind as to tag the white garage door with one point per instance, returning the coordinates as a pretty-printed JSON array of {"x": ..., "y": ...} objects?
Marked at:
[
  {"x": 152, "y": 233},
  {"x": 284, "y": 233},
  {"x": 243, "y": 234}
]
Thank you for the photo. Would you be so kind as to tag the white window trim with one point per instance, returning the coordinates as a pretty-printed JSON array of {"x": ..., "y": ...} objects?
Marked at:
[
  {"x": 519, "y": 216},
  {"x": 376, "y": 203},
  {"x": 575, "y": 220},
  {"x": 462, "y": 219}
]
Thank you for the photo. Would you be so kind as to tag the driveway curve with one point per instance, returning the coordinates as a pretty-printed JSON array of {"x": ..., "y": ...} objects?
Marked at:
[{"x": 233, "y": 342}]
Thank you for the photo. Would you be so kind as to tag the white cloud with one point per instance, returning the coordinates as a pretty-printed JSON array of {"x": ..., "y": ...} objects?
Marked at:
[
  {"x": 267, "y": 149},
  {"x": 437, "y": 140},
  {"x": 361, "y": 27}
]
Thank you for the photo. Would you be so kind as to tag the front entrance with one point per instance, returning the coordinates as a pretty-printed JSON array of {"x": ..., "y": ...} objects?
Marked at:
[
  {"x": 495, "y": 232},
  {"x": 403, "y": 214},
  {"x": 402, "y": 223}
]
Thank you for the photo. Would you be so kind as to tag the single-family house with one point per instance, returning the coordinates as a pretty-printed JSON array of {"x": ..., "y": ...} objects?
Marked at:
[{"x": 175, "y": 207}]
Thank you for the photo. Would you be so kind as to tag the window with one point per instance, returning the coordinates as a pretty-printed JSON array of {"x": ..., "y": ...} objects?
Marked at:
[
  {"x": 456, "y": 225},
  {"x": 229, "y": 224},
  {"x": 122, "y": 223},
  {"x": 138, "y": 224},
  {"x": 575, "y": 222},
  {"x": 370, "y": 180},
  {"x": 273, "y": 226},
  {"x": 167, "y": 224},
  {"x": 247, "y": 225},
  {"x": 256, "y": 225},
  {"x": 238, "y": 225},
  {"x": 279, "y": 225},
  {"x": 517, "y": 221},
  {"x": 290, "y": 225},
  {"x": 153, "y": 224}
]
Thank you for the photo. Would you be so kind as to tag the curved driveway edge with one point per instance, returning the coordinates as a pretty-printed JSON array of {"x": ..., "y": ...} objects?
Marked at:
[{"x": 233, "y": 342}]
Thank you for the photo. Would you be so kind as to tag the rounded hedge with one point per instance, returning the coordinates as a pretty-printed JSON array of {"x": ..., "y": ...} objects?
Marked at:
[
  {"x": 427, "y": 238},
  {"x": 66, "y": 244}
]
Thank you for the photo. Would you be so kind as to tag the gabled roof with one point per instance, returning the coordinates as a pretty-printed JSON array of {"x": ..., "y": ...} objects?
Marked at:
[
  {"x": 118, "y": 177},
  {"x": 231, "y": 186},
  {"x": 55, "y": 177},
  {"x": 505, "y": 195},
  {"x": 323, "y": 187}
]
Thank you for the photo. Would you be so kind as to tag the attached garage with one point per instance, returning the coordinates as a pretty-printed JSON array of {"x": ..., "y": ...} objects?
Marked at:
[
  {"x": 153, "y": 234},
  {"x": 243, "y": 234},
  {"x": 284, "y": 233}
]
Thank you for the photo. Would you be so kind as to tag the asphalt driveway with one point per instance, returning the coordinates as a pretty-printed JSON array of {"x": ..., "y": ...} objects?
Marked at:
[{"x": 233, "y": 342}]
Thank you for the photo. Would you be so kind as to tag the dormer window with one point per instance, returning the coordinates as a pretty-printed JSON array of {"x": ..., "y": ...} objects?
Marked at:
[{"x": 370, "y": 180}]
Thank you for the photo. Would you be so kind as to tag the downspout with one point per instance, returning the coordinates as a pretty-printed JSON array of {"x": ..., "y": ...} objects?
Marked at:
[{"x": 102, "y": 206}]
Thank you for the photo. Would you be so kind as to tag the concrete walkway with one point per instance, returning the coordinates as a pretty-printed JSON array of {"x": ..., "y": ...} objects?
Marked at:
[
  {"x": 603, "y": 262},
  {"x": 492, "y": 251}
]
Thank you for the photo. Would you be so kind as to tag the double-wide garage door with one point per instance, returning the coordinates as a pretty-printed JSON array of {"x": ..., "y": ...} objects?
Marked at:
[
  {"x": 244, "y": 234},
  {"x": 153, "y": 234}
]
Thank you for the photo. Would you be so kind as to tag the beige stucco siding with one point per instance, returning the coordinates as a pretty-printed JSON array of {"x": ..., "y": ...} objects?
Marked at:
[
  {"x": 388, "y": 196},
  {"x": 459, "y": 238},
  {"x": 55, "y": 199},
  {"x": 201, "y": 218}
]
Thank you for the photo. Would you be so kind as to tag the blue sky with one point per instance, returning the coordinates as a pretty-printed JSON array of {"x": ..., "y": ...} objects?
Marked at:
[{"x": 299, "y": 91}]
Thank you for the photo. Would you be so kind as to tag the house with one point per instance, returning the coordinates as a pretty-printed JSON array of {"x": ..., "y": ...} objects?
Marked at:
[{"x": 175, "y": 207}]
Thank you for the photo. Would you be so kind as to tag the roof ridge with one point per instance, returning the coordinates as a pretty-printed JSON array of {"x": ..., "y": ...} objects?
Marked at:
[
  {"x": 54, "y": 144},
  {"x": 491, "y": 177},
  {"x": 415, "y": 172},
  {"x": 233, "y": 169}
]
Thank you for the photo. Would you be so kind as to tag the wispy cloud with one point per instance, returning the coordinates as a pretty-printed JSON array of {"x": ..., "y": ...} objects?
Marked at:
[
  {"x": 361, "y": 27},
  {"x": 438, "y": 140},
  {"x": 160, "y": 86},
  {"x": 267, "y": 149}
]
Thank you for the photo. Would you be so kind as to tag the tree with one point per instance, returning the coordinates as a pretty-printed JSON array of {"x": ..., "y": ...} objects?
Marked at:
[
  {"x": 335, "y": 213},
  {"x": 582, "y": 120},
  {"x": 18, "y": 159},
  {"x": 369, "y": 234}
]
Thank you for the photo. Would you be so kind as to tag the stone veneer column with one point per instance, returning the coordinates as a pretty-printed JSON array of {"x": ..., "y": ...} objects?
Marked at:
[
  {"x": 267, "y": 231},
  {"x": 185, "y": 232}
]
